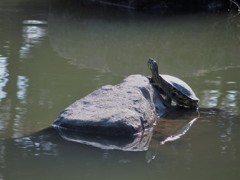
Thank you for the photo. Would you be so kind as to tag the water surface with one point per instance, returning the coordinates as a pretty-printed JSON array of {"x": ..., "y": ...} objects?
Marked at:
[{"x": 51, "y": 55}]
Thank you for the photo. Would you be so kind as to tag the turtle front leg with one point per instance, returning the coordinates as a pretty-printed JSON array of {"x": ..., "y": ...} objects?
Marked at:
[
  {"x": 150, "y": 79},
  {"x": 166, "y": 102}
]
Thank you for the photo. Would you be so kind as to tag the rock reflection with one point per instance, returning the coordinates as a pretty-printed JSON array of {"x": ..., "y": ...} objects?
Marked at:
[
  {"x": 172, "y": 127},
  {"x": 138, "y": 142},
  {"x": 40, "y": 143}
]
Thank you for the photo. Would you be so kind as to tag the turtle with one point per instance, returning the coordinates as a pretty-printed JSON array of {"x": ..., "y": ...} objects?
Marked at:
[{"x": 172, "y": 88}]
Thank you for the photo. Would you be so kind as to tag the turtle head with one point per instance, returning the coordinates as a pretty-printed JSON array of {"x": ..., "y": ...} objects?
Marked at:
[{"x": 152, "y": 64}]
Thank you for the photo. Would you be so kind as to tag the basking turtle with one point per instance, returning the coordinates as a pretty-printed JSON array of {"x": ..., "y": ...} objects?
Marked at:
[{"x": 173, "y": 88}]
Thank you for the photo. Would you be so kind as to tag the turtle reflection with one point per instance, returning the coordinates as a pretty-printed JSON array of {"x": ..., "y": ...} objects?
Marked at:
[{"x": 172, "y": 126}]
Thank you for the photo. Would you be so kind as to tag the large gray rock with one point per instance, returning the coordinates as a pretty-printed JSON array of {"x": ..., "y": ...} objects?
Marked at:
[{"x": 122, "y": 110}]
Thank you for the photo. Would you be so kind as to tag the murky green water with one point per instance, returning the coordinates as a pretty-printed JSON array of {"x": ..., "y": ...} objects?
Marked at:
[{"x": 51, "y": 55}]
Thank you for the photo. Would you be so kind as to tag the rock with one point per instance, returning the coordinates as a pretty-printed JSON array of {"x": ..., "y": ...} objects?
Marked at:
[{"x": 121, "y": 110}]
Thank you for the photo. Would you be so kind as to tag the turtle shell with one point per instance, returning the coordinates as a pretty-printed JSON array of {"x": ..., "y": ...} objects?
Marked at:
[{"x": 180, "y": 86}]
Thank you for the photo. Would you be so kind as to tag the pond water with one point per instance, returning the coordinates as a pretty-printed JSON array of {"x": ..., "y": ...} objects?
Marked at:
[{"x": 52, "y": 54}]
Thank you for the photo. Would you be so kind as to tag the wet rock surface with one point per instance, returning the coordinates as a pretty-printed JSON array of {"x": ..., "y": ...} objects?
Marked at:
[{"x": 122, "y": 110}]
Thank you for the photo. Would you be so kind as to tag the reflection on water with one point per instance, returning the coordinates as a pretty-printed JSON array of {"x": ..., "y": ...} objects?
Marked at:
[
  {"x": 211, "y": 98},
  {"x": 50, "y": 57},
  {"x": 33, "y": 33},
  {"x": 180, "y": 132},
  {"x": 3, "y": 76},
  {"x": 22, "y": 87},
  {"x": 205, "y": 43},
  {"x": 220, "y": 89},
  {"x": 38, "y": 144},
  {"x": 138, "y": 142}
]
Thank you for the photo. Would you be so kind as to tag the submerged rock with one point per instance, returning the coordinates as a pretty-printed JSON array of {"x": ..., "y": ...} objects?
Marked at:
[{"x": 121, "y": 110}]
